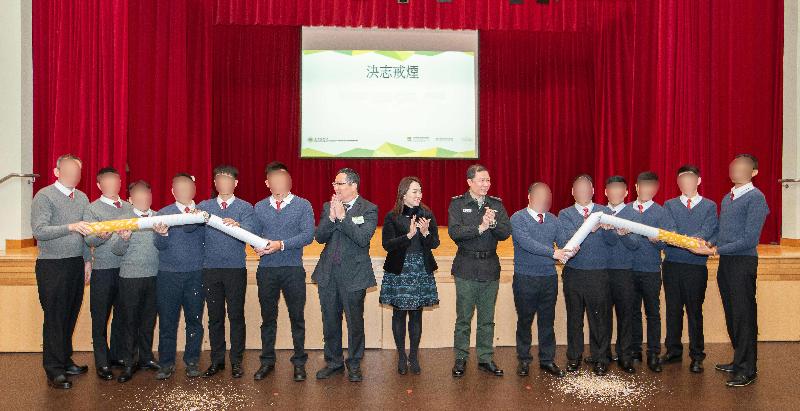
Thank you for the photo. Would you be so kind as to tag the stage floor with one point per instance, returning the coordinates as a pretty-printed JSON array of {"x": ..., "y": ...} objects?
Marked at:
[{"x": 22, "y": 386}]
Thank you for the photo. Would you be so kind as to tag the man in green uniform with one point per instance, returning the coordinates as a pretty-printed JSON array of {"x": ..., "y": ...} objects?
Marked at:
[{"x": 476, "y": 222}]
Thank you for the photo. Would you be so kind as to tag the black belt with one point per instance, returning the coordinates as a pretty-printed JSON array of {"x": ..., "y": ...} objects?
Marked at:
[{"x": 480, "y": 255}]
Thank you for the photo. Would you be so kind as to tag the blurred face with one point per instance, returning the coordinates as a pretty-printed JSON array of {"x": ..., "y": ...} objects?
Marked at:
[
  {"x": 646, "y": 190},
  {"x": 540, "y": 198},
  {"x": 479, "y": 185},
  {"x": 69, "y": 173},
  {"x": 582, "y": 191},
  {"x": 346, "y": 191},
  {"x": 183, "y": 189},
  {"x": 225, "y": 184},
  {"x": 279, "y": 182},
  {"x": 616, "y": 193},
  {"x": 109, "y": 184},
  {"x": 688, "y": 183},
  {"x": 413, "y": 196},
  {"x": 741, "y": 170},
  {"x": 141, "y": 198}
]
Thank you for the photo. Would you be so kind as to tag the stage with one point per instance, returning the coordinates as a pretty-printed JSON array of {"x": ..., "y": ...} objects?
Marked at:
[
  {"x": 778, "y": 292},
  {"x": 22, "y": 386}
]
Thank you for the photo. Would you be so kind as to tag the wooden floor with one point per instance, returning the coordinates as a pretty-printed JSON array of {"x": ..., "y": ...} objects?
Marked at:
[{"x": 23, "y": 387}]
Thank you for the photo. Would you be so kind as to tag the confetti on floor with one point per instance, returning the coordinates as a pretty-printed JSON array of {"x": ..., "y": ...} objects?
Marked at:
[
  {"x": 612, "y": 389},
  {"x": 194, "y": 395}
]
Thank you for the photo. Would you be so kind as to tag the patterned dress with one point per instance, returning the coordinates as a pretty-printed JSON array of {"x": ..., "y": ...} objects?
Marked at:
[{"x": 414, "y": 287}]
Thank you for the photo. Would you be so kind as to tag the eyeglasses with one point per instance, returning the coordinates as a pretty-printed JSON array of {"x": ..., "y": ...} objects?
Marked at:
[{"x": 336, "y": 183}]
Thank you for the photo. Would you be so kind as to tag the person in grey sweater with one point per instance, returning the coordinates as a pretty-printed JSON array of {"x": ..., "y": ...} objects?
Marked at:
[
  {"x": 137, "y": 286},
  {"x": 105, "y": 272},
  {"x": 62, "y": 267}
]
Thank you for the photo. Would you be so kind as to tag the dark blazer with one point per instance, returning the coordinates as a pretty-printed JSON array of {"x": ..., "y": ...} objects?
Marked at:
[
  {"x": 351, "y": 237},
  {"x": 396, "y": 242}
]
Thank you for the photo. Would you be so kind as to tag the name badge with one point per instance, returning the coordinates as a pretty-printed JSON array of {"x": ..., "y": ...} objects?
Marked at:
[
  {"x": 358, "y": 220},
  {"x": 466, "y": 210}
]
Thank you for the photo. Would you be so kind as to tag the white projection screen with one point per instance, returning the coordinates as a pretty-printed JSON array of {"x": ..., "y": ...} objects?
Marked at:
[{"x": 389, "y": 93}]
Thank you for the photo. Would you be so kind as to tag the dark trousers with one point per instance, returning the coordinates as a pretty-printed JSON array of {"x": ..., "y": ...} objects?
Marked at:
[
  {"x": 685, "y": 286},
  {"x": 60, "y": 286},
  {"x": 414, "y": 325},
  {"x": 535, "y": 296},
  {"x": 648, "y": 292},
  {"x": 103, "y": 298},
  {"x": 737, "y": 287},
  {"x": 292, "y": 282},
  {"x": 587, "y": 291},
  {"x": 225, "y": 287},
  {"x": 335, "y": 298},
  {"x": 173, "y": 291},
  {"x": 137, "y": 297},
  {"x": 621, "y": 285},
  {"x": 472, "y": 297}
]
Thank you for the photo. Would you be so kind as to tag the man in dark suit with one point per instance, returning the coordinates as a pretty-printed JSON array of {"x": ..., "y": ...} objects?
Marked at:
[{"x": 344, "y": 272}]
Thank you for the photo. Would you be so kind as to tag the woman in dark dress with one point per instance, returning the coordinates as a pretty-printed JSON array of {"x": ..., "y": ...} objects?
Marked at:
[{"x": 409, "y": 235}]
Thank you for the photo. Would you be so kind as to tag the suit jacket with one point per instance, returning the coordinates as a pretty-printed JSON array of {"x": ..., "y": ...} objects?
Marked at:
[
  {"x": 351, "y": 238},
  {"x": 396, "y": 242}
]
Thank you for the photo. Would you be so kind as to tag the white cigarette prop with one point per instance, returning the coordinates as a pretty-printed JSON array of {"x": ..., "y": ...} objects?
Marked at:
[
  {"x": 669, "y": 237},
  {"x": 583, "y": 231},
  {"x": 237, "y": 232},
  {"x": 142, "y": 223}
]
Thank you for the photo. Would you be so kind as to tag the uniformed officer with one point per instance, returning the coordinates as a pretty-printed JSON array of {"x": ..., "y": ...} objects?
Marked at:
[{"x": 476, "y": 222}]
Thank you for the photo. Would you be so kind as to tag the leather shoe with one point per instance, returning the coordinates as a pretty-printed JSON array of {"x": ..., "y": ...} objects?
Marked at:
[
  {"x": 671, "y": 358},
  {"x": 117, "y": 363},
  {"x": 413, "y": 364},
  {"x": 600, "y": 368},
  {"x": 60, "y": 382},
  {"x": 165, "y": 372},
  {"x": 213, "y": 369},
  {"x": 74, "y": 369},
  {"x": 263, "y": 371},
  {"x": 729, "y": 368},
  {"x": 636, "y": 356},
  {"x": 523, "y": 369},
  {"x": 299, "y": 373},
  {"x": 354, "y": 374},
  {"x": 573, "y": 365},
  {"x": 696, "y": 366},
  {"x": 741, "y": 380},
  {"x": 626, "y": 366},
  {"x": 193, "y": 371},
  {"x": 105, "y": 373},
  {"x": 237, "y": 371},
  {"x": 459, "y": 367},
  {"x": 126, "y": 374},
  {"x": 491, "y": 368},
  {"x": 149, "y": 365},
  {"x": 328, "y": 372},
  {"x": 654, "y": 363},
  {"x": 552, "y": 369}
]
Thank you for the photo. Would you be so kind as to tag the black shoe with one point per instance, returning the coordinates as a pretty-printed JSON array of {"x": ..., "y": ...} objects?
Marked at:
[
  {"x": 696, "y": 366},
  {"x": 741, "y": 380},
  {"x": 637, "y": 356},
  {"x": 491, "y": 368},
  {"x": 60, "y": 382},
  {"x": 523, "y": 368},
  {"x": 213, "y": 369},
  {"x": 590, "y": 360},
  {"x": 148, "y": 365},
  {"x": 553, "y": 369},
  {"x": 729, "y": 368},
  {"x": 671, "y": 358},
  {"x": 165, "y": 373},
  {"x": 413, "y": 364},
  {"x": 458, "y": 367},
  {"x": 263, "y": 371},
  {"x": 354, "y": 374},
  {"x": 625, "y": 365},
  {"x": 237, "y": 371},
  {"x": 402, "y": 365},
  {"x": 600, "y": 368},
  {"x": 573, "y": 365},
  {"x": 105, "y": 373},
  {"x": 117, "y": 363},
  {"x": 126, "y": 374},
  {"x": 299, "y": 373},
  {"x": 76, "y": 369},
  {"x": 654, "y": 363},
  {"x": 328, "y": 372},
  {"x": 193, "y": 371}
]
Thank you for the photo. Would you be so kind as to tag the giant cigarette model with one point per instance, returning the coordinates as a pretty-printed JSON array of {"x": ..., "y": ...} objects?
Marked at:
[
  {"x": 669, "y": 237},
  {"x": 237, "y": 232}
]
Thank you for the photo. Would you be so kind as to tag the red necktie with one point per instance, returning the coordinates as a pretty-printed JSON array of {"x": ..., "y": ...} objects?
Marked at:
[
  {"x": 187, "y": 210},
  {"x": 541, "y": 218},
  {"x": 144, "y": 215},
  {"x": 731, "y": 195},
  {"x": 641, "y": 208},
  {"x": 278, "y": 204},
  {"x": 585, "y": 212},
  {"x": 72, "y": 195},
  {"x": 117, "y": 204},
  {"x": 689, "y": 203},
  {"x": 224, "y": 205}
]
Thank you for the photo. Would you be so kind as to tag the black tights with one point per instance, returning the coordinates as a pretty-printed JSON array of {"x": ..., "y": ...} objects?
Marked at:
[{"x": 414, "y": 330}]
